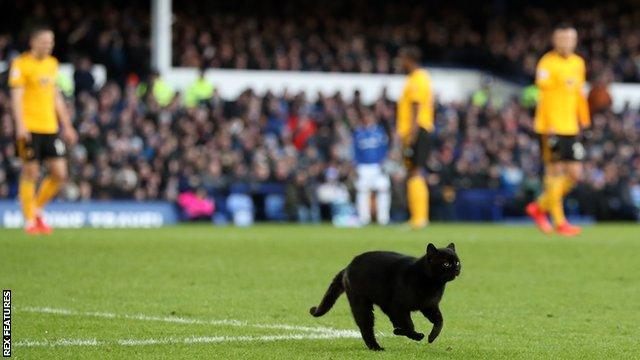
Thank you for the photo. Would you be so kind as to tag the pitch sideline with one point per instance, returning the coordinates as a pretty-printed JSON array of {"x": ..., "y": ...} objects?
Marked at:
[
  {"x": 181, "y": 320},
  {"x": 171, "y": 340},
  {"x": 311, "y": 333}
]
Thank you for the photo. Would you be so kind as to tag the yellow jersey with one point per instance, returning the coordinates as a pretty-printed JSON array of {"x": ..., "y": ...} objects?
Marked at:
[
  {"x": 416, "y": 90},
  {"x": 38, "y": 78},
  {"x": 562, "y": 106}
]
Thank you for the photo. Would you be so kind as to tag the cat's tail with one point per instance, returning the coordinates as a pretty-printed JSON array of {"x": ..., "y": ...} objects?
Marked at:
[{"x": 333, "y": 292}]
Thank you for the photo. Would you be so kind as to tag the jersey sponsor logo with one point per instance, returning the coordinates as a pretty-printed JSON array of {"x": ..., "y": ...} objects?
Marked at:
[
  {"x": 45, "y": 80},
  {"x": 542, "y": 74},
  {"x": 372, "y": 142}
]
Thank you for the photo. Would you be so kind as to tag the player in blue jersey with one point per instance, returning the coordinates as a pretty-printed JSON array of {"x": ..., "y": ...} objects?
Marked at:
[{"x": 371, "y": 145}]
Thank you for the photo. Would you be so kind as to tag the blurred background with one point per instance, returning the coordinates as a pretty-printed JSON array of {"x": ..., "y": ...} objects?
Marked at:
[{"x": 244, "y": 111}]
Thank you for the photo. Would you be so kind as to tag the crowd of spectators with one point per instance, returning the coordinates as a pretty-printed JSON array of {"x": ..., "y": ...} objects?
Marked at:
[
  {"x": 339, "y": 36},
  {"x": 135, "y": 145},
  {"x": 364, "y": 36},
  {"x": 133, "y": 148},
  {"x": 113, "y": 33}
]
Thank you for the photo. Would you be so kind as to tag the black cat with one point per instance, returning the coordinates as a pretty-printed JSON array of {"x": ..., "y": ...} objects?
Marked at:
[{"x": 398, "y": 284}]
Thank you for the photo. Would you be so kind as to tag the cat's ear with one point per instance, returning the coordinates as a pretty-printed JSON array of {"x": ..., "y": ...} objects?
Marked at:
[
  {"x": 431, "y": 250},
  {"x": 452, "y": 246}
]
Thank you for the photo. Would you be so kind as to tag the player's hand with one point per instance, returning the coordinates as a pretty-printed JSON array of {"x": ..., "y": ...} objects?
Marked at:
[
  {"x": 410, "y": 140},
  {"x": 69, "y": 135},
  {"x": 23, "y": 134},
  {"x": 413, "y": 136}
]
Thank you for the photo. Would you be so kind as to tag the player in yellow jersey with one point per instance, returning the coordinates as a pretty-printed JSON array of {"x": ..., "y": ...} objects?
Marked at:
[
  {"x": 561, "y": 113},
  {"x": 38, "y": 107},
  {"x": 414, "y": 124}
]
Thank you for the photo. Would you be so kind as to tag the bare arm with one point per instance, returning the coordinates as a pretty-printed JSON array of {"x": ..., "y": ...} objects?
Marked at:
[
  {"x": 61, "y": 110},
  {"x": 68, "y": 132},
  {"x": 583, "y": 105},
  {"x": 583, "y": 111},
  {"x": 17, "y": 95},
  {"x": 413, "y": 135}
]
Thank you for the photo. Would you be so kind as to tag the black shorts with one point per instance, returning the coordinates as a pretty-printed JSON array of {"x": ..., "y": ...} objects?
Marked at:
[
  {"x": 561, "y": 148},
  {"x": 416, "y": 154},
  {"x": 41, "y": 147}
]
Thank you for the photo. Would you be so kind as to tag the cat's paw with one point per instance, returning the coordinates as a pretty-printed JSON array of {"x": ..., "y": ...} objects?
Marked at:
[
  {"x": 312, "y": 311},
  {"x": 399, "y": 332},
  {"x": 376, "y": 348},
  {"x": 416, "y": 336}
]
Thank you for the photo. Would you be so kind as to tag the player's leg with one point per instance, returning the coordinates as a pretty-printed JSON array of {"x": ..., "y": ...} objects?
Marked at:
[
  {"x": 570, "y": 152},
  {"x": 53, "y": 182},
  {"x": 417, "y": 190},
  {"x": 27, "y": 193},
  {"x": 383, "y": 198},
  {"x": 57, "y": 176},
  {"x": 572, "y": 172},
  {"x": 363, "y": 196},
  {"x": 418, "y": 197},
  {"x": 552, "y": 169},
  {"x": 553, "y": 180},
  {"x": 551, "y": 199},
  {"x": 29, "y": 175},
  {"x": 539, "y": 208}
]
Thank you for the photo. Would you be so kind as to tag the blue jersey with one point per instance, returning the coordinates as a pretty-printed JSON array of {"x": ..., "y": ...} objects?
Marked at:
[{"x": 370, "y": 144}]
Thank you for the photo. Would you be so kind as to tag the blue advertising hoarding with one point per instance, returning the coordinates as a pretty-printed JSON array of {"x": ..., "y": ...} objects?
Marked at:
[{"x": 99, "y": 214}]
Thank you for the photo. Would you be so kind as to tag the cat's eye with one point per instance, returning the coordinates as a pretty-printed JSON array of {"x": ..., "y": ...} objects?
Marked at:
[{"x": 447, "y": 264}]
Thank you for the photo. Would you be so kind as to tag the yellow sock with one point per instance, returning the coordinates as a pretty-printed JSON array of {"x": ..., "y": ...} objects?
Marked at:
[
  {"x": 567, "y": 185},
  {"x": 27, "y": 194},
  {"x": 418, "y": 197},
  {"x": 48, "y": 190},
  {"x": 426, "y": 202},
  {"x": 543, "y": 199},
  {"x": 555, "y": 197}
]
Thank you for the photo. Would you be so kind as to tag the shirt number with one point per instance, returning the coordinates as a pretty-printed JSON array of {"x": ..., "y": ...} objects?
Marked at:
[{"x": 59, "y": 147}]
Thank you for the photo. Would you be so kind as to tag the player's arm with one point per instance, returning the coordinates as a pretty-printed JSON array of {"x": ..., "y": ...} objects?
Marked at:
[
  {"x": 583, "y": 105},
  {"x": 67, "y": 132},
  {"x": 17, "y": 81},
  {"x": 417, "y": 92},
  {"x": 17, "y": 95},
  {"x": 415, "y": 128}
]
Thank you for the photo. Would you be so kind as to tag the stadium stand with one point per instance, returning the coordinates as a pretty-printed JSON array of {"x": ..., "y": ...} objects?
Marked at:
[
  {"x": 328, "y": 36},
  {"x": 139, "y": 140},
  {"x": 133, "y": 148}
]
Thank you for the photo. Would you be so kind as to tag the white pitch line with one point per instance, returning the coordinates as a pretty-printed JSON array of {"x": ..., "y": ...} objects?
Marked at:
[
  {"x": 180, "y": 320},
  {"x": 60, "y": 342},
  {"x": 170, "y": 340},
  {"x": 221, "y": 339}
]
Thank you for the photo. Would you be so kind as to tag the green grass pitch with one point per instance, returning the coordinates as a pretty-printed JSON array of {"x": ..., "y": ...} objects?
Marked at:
[{"x": 196, "y": 291}]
